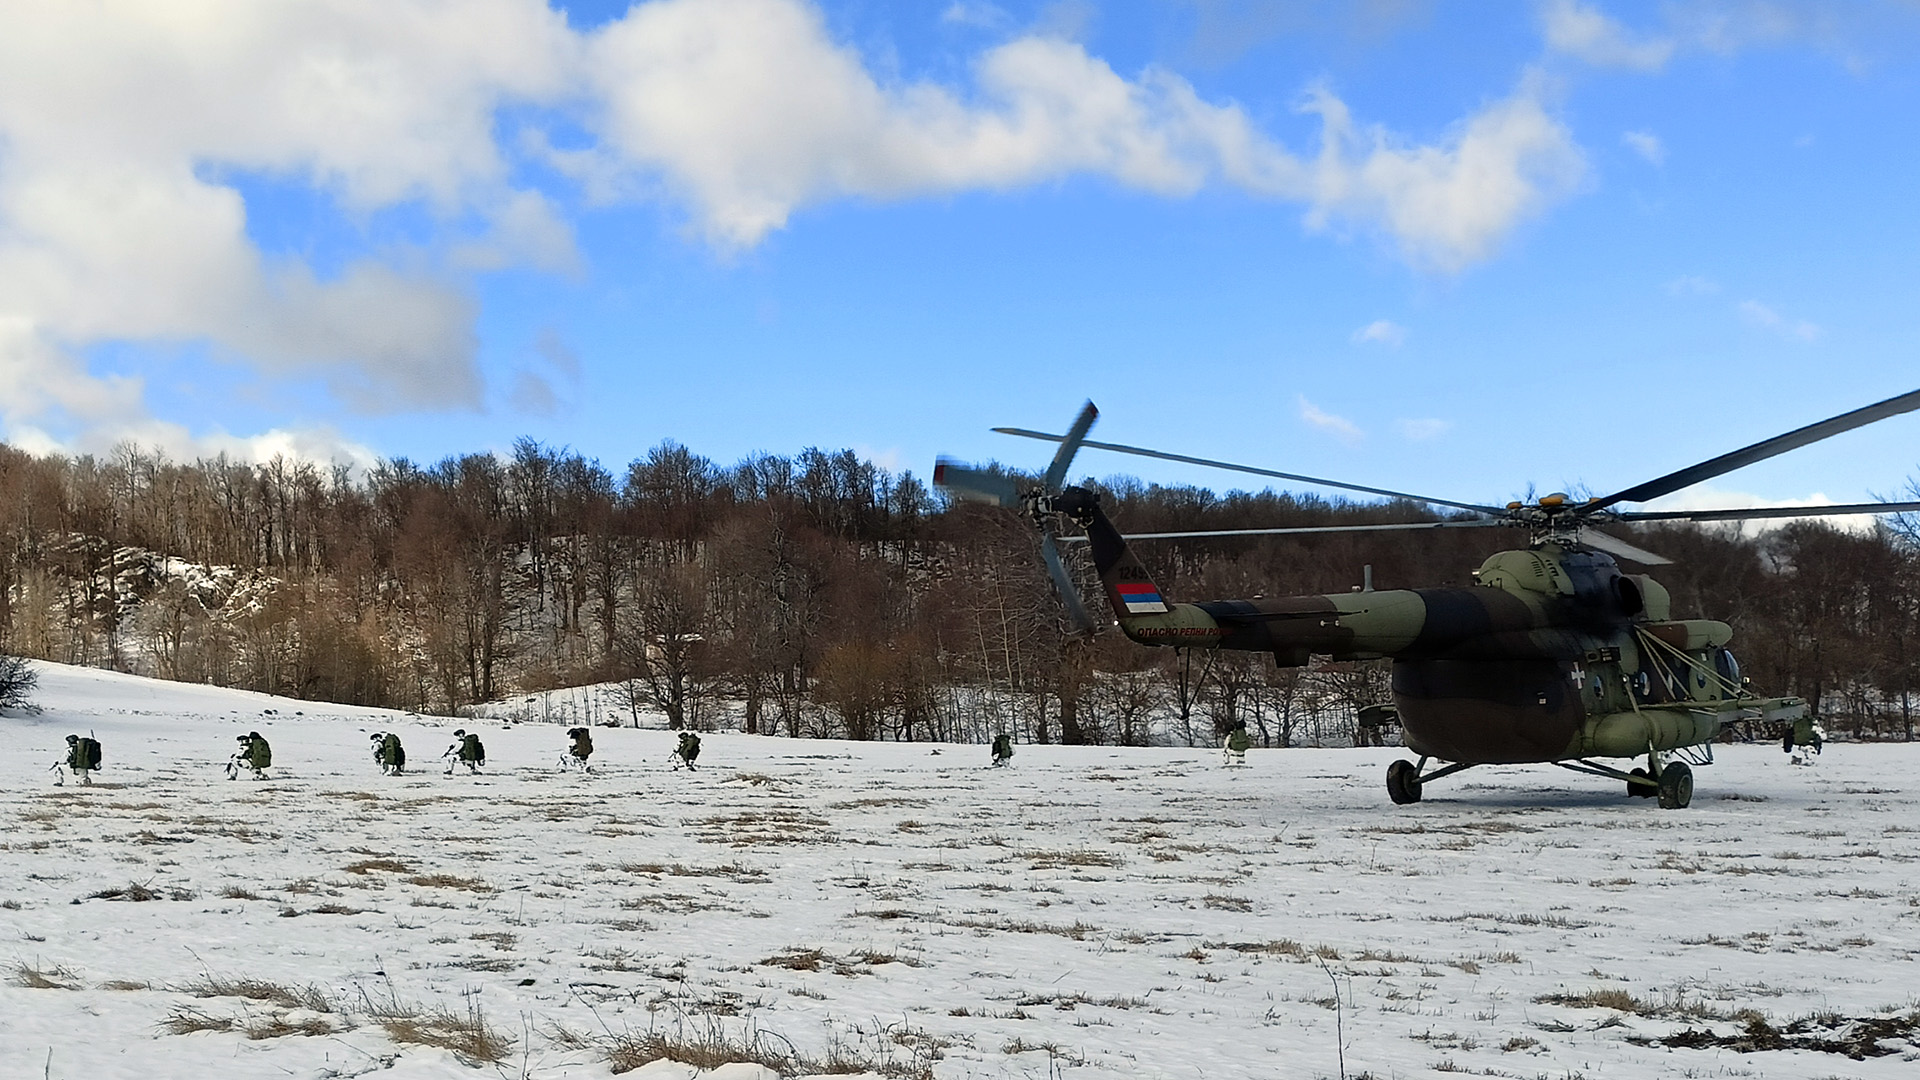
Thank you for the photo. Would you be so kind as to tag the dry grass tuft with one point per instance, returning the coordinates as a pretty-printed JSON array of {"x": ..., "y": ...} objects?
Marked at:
[
  {"x": 279, "y": 1024},
  {"x": 137, "y": 892},
  {"x": 368, "y": 866},
  {"x": 35, "y": 977},
  {"x": 1615, "y": 999},
  {"x": 711, "y": 1046},
  {"x": 795, "y": 960},
  {"x": 1054, "y": 860},
  {"x": 309, "y": 997},
  {"x": 1282, "y": 947},
  {"x": 125, "y": 984},
  {"x": 468, "y": 1037},
  {"x": 188, "y": 1021},
  {"x": 449, "y": 881},
  {"x": 1077, "y": 931},
  {"x": 235, "y": 892}
]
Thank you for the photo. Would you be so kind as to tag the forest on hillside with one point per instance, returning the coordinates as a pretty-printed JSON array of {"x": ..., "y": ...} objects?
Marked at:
[{"x": 816, "y": 595}]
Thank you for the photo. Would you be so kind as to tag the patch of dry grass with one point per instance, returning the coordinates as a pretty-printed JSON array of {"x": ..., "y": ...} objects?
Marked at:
[
  {"x": 309, "y": 997},
  {"x": 278, "y": 1024},
  {"x": 467, "y": 1036},
  {"x": 137, "y": 892},
  {"x": 1055, "y": 860},
  {"x": 709, "y": 1045},
  {"x": 1077, "y": 931},
  {"x": 368, "y": 866},
  {"x": 35, "y": 977},
  {"x": 449, "y": 881},
  {"x": 189, "y": 1020},
  {"x": 745, "y": 875}
]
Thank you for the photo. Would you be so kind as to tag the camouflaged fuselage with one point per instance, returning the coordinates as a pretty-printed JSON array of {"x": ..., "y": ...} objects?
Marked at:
[{"x": 1552, "y": 654}]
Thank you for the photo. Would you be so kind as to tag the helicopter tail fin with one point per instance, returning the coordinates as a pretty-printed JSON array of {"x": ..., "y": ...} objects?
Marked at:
[{"x": 1130, "y": 589}]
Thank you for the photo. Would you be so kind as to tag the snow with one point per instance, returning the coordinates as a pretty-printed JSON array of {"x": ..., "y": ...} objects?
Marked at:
[{"x": 1086, "y": 912}]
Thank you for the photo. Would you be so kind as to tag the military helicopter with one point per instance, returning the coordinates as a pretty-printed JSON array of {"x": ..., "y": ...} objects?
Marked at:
[{"x": 1552, "y": 656}]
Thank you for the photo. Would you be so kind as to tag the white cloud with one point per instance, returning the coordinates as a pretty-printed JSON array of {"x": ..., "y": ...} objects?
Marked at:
[
  {"x": 1339, "y": 426},
  {"x": 1381, "y": 332},
  {"x": 747, "y": 110},
  {"x": 975, "y": 13},
  {"x": 1766, "y": 318},
  {"x": 123, "y": 121},
  {"x": 1692, "y": 285},
  {"x": 1422, "y": 430},
  {"x": 128, "y": 127},
  {"x": 1446, "y": 205},
  {"x": 1647, "y": 145},
  {"x": 1585, "y": 32}
]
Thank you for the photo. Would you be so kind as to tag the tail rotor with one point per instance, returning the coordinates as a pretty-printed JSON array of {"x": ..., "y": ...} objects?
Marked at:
[{"x": 1037, "y": 502}]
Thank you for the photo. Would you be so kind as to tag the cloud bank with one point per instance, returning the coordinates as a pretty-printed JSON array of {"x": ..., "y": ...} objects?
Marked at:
[{"x": 128, "y": 132}]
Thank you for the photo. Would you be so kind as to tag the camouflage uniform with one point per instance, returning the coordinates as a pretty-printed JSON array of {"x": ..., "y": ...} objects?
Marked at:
[
  {"x": 1237, "y": 744},
  {"x": 467, "y": 751},
  {"x": 391, "y": 756}
]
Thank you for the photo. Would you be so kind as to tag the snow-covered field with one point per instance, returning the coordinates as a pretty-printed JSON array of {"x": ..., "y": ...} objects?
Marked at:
[{"x": 1085, "y": 913}]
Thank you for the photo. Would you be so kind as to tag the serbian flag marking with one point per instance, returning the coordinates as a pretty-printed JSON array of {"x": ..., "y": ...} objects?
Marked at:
[{"x": 1141, "y": 599}]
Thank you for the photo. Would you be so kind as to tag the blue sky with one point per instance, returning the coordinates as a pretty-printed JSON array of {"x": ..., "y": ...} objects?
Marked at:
[{"x": 1449, "y": 248}]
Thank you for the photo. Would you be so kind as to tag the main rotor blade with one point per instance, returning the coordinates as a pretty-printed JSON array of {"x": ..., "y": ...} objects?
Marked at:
[
  {"x": 1390, "y": 526},
  {"x": 1759, "y": 451},
  {"x": 1069, "y": 446},
  {"x": 1836, "y": 510},
  {"x": 1119, "y": 448},
  {"x": 1063, "y": 584},
  {"x": 1613, "y": 545}
]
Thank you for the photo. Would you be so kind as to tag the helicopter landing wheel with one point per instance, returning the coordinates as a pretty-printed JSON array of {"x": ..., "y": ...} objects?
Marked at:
[
  {"x": 1676, "y": 786},
  {"x": 1642, "y": 791},
  {"x": 1403, "y": 782}
]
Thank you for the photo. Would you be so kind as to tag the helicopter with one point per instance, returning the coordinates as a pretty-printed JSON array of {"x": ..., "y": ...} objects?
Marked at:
[{"x": 1553, "y": 655}]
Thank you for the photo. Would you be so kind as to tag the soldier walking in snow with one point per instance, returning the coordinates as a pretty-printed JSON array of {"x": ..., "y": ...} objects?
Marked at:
[
  {"x": 254, "y": 754},
  {"x": 1803, "y": 741},
  {"x": 580, "y": 748},
  {"x": 688, "y": 749},
  {"x": 1002, "y": 749},
  {"x": 467, "y": 751},
  {"x": 1237, "y": 743},
  {"x": 387, "y": 751},
  {"x": 83, "y": 756}
]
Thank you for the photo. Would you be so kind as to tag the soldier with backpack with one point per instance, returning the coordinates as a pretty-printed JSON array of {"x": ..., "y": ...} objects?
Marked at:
[
  {"x": 688, "y": 749},
  {"x": 1002, "y": 749},
  {"x": 387, "y": 751},
  {"x": 579, "y": 749},
  {"x": 1237, "y": 743},
  {"x": 254, "y": 754},
  {"x": 83, "y": 757},
  {"x": 467, "y": 751}
]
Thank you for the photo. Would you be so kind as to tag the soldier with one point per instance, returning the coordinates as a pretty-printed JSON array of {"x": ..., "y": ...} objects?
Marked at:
[
  {"x": 467, "y": 751},
  {"x": 254, "y": 754},
  {"x": 688, "y": 749},
  {"x": 83, "y": 756},
  {"x": 580, "y": 749},
  {"x": 387, "y": 751},
  {"x": 1237, "y": 743},
  {"x": 1002, "y": 749},
  {"x": 1803, "y": 741}
]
